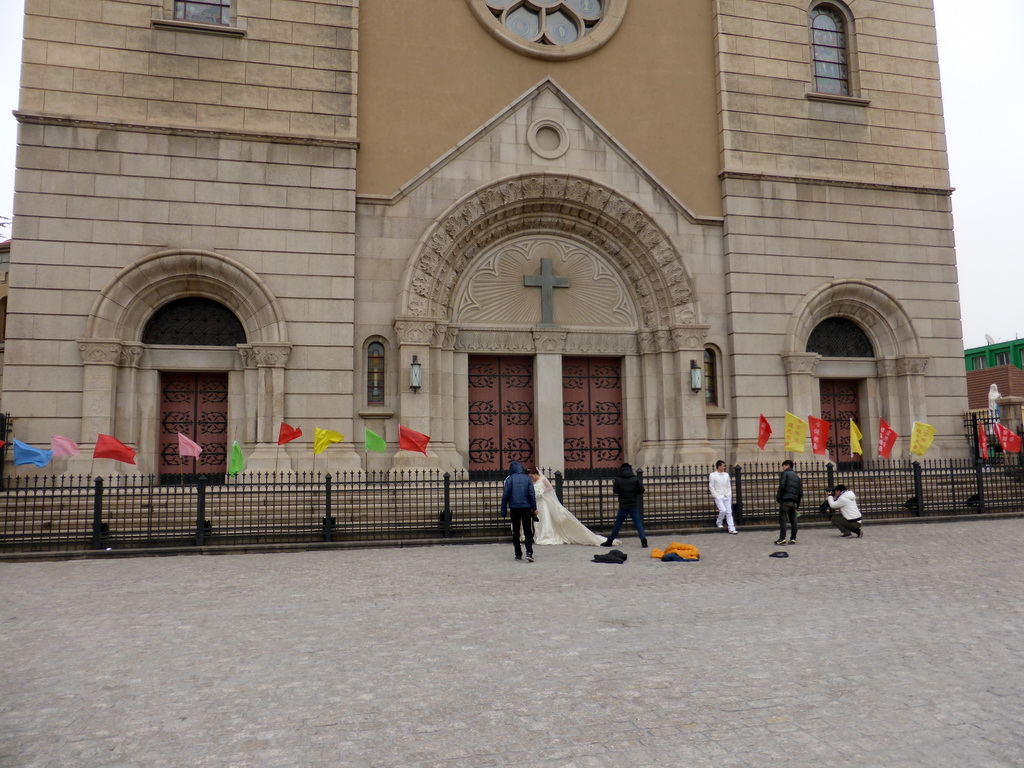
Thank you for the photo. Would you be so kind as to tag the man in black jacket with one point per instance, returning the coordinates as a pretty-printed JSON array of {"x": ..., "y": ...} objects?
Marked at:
[
  {"x": 629, "y": 488},
  {"x": 789, "y": 495}
]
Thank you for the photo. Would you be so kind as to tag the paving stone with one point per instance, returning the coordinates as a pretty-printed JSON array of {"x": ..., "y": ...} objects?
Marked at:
[{"x": 903, "y": 648}]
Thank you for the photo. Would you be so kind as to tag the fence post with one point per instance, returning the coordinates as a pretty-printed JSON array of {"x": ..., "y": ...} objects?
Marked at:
[
  {"x": 918, "y": 488},
  {"x": 97, "y": 515},
  {"x": 558, "y": 487},
  {"x": 200, "y": 510},
  {"x": 978, "y": 473},
  {"x": 640, "y": 498},
  {"x": 328, "y": 509},
  {"x": 446, "y": 512},
  {"x": 737, "y": 507},
  {"x": 830, "y": 471}
]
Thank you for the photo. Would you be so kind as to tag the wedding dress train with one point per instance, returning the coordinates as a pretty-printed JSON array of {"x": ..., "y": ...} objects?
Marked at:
[{"x": 555, "y": 523}]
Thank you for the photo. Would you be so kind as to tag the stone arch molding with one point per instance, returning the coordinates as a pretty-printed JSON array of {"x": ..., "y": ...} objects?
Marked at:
[
  {"x": 877, "y": 312},
  {"x": 123, "y": 308},
  {"x": 564, "y": 205}
]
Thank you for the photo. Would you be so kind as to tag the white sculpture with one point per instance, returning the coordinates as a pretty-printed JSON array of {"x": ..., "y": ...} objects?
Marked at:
[{"x": 993, "y": 397}]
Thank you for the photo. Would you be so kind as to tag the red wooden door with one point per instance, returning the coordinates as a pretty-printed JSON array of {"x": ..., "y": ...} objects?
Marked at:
[
  {"x": 840, "y": 403},
  {"x": 500, "y": 412},
  {"x": 195, "y": 404},
  {"x": 592, "y": 412}
]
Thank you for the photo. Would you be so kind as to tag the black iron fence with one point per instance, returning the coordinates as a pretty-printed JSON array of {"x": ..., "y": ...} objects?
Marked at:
[{"x": 59, "y": 514}]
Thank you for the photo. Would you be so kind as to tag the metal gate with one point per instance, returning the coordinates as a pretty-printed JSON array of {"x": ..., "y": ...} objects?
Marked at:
[
  {"x": 195, "y": 404},
  {"x": 592, "y": 413},
  {"x": 840, "y": 403},
  {"x": 501, "y": 426}
]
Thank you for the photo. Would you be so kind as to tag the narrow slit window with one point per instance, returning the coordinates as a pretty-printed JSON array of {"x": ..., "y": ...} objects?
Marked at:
[{"x": 375, "y": 374}]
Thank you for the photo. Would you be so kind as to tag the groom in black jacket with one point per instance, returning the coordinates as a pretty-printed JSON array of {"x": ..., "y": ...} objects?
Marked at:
[
  {"x": 629, "y": 488},
  {"x": 519, "y": 496}
]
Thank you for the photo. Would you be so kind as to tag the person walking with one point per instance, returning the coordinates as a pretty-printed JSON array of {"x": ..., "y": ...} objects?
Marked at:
[
  {"x": 789, "y": 495},
  {"x": 848, "y": 520},
  {"x": 720, "y": 485},
  {"x": 629, "y": 487},
  {"x": 519, "y": 497}
]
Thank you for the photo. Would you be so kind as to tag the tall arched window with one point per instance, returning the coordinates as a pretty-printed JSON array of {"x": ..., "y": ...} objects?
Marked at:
[
  {"x": 196, "y": 322},
  {"x": 830, "y": 50},
  {"x": 375, "y": 373},
  {"x": 710, "y": 377}
]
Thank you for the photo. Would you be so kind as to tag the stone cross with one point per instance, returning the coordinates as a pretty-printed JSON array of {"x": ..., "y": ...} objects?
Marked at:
[{"x": 547, "y": 281}]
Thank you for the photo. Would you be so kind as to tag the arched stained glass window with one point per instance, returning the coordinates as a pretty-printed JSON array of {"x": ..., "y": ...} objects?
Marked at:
[
  {"x": 839, "y": 337},
  {"x": 829, "y": 51},
  {"x": 196, "y": 322},
  {"x": 375, "y": 374}
]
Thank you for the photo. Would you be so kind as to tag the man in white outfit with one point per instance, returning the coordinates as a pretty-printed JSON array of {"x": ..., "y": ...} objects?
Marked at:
[{"x": 720, "y": 485}]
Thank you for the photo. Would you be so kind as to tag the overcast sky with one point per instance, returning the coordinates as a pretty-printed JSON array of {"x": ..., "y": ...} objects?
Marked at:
[{"x": 980, "y": 59}]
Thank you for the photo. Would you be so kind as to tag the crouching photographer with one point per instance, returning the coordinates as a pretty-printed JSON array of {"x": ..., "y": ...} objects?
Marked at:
[{"x": 846, "y": 514}]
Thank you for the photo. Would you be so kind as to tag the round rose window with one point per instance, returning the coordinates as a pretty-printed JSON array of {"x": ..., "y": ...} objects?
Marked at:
[{"x": 551, "y": 29}]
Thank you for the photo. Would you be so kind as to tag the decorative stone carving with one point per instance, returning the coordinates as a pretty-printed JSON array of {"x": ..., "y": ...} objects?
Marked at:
[
  {"x": 549, "y": 341},
  {"x": 259, "y": 355},
  {"x": 414, "y": 331},
  {"x": 494, "y": 341},
  {"x": 578, "y": 208},
  {"x": 601, "y": 344},
  {"x": 800, "y": 363},
  {"x": 690, "y": 337},
  {"x": 885, "y": 367},
  {"x": 107, "y": 351},
  {"x": 131, "y": 355},
  {"x": 912, "y": 364},
  {"x": 646, "y": 342}
]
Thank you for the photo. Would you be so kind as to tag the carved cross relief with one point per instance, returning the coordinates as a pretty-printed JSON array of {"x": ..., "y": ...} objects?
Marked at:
[{"x": 547, "y": 281}]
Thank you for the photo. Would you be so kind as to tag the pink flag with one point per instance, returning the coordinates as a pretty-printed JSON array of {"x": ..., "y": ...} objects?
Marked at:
[
  {"x": 188, "y": 447},
  {"x": 63, "y": 446}
]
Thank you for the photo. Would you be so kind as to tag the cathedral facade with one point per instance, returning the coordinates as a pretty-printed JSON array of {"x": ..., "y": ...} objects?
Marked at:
[{"x": 568, "y": 232}]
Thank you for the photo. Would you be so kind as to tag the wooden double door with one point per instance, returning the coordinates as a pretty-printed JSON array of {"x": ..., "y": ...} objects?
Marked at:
[
  {"x": 840, "y": 402},
  {"x": 502, "y": 395},
  {"x": 196, "y": 405}
]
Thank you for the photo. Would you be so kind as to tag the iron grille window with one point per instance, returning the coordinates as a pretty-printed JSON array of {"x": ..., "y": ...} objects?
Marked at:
[
  {"x": 206, "y": 12},
  {"x": 195, "y": 322},
  {"x": 829, "y": 51},
  {"x": 710, "y": 377},
  {"x": 839, "y": 337},
  {"x": 375, "y": 374}
]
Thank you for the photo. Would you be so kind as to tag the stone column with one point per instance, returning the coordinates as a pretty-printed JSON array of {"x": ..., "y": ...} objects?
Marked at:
[
  {"x": 101, "y": 359},
  {"x": 692, "y": 441},
  {"x": 804, "y": 394},
  {"x": 547, "y": 414},
  {"x": 415, "y": 336}
]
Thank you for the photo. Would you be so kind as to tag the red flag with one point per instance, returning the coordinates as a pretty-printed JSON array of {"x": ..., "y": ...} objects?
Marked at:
[
  {"x": 982, "y": 441},
  {"x": 287, "y": 434},
  {"x": 819, "y": 434},
  {"x": 886, "y": 439},
  {"x": 1007, "y": 439},
  {"x": 108, "y": 447},
  {"x": 409, "y": 440},
  {"x": 764, "y": 431},
  {"x": 187, "y": 447}
]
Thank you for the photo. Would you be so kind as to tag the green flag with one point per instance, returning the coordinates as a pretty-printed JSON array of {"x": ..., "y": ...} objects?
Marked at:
[
  {"x": 237, "y": 463},
  {"x": 375, "y": 442}
]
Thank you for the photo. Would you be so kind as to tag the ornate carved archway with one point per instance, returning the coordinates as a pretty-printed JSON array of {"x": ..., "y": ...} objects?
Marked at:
[{"x": 565, "y": 205}]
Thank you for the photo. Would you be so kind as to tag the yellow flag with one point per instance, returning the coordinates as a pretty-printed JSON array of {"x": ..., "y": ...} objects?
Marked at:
[
  {"x": 796, "y": 433},
  {"x": 921, "y": 438},
  {"x": 325, "y": 437},
  {"x": 855, "y": 436}
]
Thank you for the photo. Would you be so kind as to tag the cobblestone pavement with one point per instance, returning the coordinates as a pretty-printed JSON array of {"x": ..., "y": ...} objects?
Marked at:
[{"x": 904, "y": 648}]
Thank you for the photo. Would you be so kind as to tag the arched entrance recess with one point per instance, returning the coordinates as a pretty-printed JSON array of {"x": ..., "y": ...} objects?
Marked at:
[
  {"x": 891, "y": 383},
  {"x": 121, "y": 373},
  {"x": 657, "y": 351}
]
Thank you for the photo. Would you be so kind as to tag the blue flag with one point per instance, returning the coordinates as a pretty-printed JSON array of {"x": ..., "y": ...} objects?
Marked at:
[{"x": 26, "y": 454}]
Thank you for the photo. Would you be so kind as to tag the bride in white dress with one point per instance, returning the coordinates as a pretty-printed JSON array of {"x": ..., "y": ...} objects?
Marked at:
[{"x": 555, "y": 523}]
